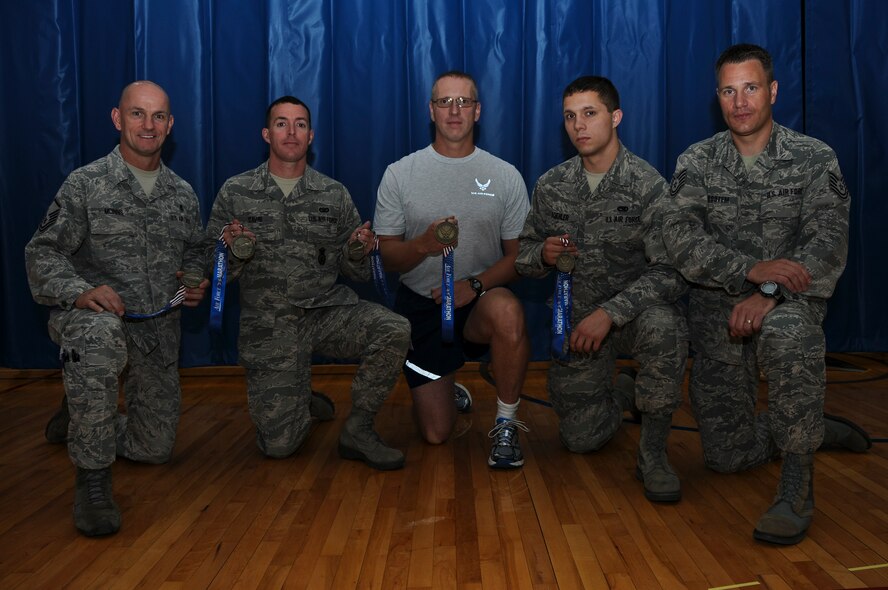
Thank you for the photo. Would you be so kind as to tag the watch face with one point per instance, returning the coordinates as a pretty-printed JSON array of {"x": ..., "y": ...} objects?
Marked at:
[
  {"x": 476, "y": 285},
  {"x": 769, "y": 288}
]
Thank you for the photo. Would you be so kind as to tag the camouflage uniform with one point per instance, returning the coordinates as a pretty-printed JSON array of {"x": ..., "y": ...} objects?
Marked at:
[
  {"x": 101, "y": 229},
  {"x": 619, "y": 269},
  {"x": 723, "y": 220},
  {"x": 292, "y": 307}
]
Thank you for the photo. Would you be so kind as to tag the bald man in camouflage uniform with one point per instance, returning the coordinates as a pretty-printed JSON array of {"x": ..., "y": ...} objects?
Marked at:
[
  {"x": 115, "y": 239},
  {"x": 291, "y": 306},
  {"x": 758, "y": 223},
  {"x": 602, "y": 202}
]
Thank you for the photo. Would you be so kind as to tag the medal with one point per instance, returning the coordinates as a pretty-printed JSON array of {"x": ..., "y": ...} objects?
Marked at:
[
  {"x": 242, "y": 247},
  {"x": 565, "y": 262},
  {"x": 192, "y": 280},
  {"x": 446, "y": 232}
]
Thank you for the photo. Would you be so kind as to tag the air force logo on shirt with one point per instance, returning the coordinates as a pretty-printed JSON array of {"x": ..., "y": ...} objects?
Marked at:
[{"x": 482, "y": 188}]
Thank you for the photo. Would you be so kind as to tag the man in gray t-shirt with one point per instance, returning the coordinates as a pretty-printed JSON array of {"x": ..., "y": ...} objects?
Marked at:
[{"x": 452, "y": 180}]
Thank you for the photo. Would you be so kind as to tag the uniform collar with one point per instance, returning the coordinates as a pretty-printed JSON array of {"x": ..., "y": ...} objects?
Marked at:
[
  {"x": 776, "y": 152},
  {"x": 119, "y": 173},
  {"x": 262, "y": 180},
  {"x": 617, "y": 174}
]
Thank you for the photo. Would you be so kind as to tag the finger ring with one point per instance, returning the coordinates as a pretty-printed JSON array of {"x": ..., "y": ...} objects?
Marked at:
[{"x": 748, "y": 321}]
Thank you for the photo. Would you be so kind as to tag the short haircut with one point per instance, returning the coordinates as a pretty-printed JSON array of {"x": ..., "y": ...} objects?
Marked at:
[
  {"x": 742, "y": 52},
  {"x": 286, "y": 100},
  {"x": 605, "y": 89},
  {"x": 456, "y": 74},
  {"x": 138, "y": 83}
]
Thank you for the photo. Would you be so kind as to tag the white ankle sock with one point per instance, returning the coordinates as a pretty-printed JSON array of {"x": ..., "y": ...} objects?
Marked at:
[{"x": 504, "y": 410}]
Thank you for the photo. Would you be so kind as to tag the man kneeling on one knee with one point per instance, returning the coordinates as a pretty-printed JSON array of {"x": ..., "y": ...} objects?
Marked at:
[{"x": 594, "y": 219}]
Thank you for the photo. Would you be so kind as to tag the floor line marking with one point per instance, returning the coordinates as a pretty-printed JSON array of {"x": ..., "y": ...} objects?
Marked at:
[
  {"x": 867, "y": 567},
  {"x": 744, "y": 585}
]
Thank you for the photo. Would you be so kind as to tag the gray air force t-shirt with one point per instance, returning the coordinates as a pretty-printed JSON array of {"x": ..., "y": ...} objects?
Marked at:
[{"x": 486, "y": 195}]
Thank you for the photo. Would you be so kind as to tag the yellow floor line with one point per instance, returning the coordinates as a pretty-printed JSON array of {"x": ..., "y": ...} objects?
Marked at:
[
  {"x": 736, "y": 586},
  {"x": 867, "y": 567}
]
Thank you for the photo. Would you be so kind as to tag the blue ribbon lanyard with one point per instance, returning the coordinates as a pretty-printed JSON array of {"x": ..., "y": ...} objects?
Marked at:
[
  {"x": 379, "y": 274},
  {"x": 177, "y": 299},
  {"x": 562, "y": 310},
  {"x": 220, "y": 276},
  {"x": 447, "y": 294}
]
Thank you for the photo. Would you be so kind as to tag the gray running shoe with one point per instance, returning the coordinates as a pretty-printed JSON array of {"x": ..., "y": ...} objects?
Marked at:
[{"x": 506, "y": 451}]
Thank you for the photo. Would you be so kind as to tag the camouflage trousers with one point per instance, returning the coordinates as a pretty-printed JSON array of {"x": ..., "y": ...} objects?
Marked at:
[
  {"x": 790, "y": 350},
  {"x": 279, "y": 400},
  {"x": 97, "y": 355},
  {"x": 581, "y": 389}
]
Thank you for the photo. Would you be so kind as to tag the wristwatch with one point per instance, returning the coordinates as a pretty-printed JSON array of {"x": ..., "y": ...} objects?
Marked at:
[
  {"x": 771, "y": 290},
  {"x": 476, "y": 286}
]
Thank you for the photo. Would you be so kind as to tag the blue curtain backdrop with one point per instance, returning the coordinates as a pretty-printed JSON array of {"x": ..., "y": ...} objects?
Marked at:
[{"x": 366, "y": 68}]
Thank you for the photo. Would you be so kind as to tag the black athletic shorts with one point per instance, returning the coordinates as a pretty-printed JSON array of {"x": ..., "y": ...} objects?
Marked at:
[{"x": 429, "y": 358}]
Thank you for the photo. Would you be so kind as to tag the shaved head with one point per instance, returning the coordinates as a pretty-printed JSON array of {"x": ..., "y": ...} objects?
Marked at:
[{"x": 139, "y": 84}]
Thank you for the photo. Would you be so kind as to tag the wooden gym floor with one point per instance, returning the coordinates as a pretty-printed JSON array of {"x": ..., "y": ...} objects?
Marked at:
[{"x": 219, "y": 515}]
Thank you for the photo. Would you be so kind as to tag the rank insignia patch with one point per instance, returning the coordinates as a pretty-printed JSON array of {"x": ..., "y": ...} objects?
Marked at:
[
  {"x": 52, "y": 214},
  {"x": 838, "y": 186},
  {"x": 678, "y": 181}
]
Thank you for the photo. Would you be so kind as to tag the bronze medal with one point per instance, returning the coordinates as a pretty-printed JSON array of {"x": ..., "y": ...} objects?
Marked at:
[
  {"x": 565, "y": 262},
  {"x": 355, "y": 250},
  {"x": 242, "y": 247},
  {"x": 192, "y": 280},
  {"x": 446, "y": 232}
]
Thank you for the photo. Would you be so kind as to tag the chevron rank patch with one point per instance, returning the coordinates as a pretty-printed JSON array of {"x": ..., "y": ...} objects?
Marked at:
[
  {"x": 52, "y": 214},
  {"x": 678, "y": 181},
  {"x": 838, "y": 186}
]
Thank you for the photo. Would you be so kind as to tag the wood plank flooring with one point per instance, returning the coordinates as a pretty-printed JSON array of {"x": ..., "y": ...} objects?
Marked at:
[{"x": 219, "y": 515}]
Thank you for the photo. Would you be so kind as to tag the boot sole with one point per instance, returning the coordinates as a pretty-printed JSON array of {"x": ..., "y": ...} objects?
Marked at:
[
  {"x": 107, "y": 524},
  {"x": 662, "y": 497},
  {"x": 102, "y": 531},
  {"x": 52, "y": 438},
  {"x": 855, "y": 427},
  {"x": 354, "y": 455},
  {"x": 777, "y": 540},
  {"x": 328, "y": 412},
  {"x": 52, "y": 431}
]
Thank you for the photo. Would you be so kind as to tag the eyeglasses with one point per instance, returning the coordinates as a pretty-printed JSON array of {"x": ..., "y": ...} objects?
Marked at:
[{"x": 462, "y": 102}]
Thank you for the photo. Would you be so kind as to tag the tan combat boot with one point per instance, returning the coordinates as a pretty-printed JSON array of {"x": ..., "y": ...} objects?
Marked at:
[
  {"x": 787, "y": 520},
  {"x": 661, "y": 484},
  {"x": 360, "y": 442}
]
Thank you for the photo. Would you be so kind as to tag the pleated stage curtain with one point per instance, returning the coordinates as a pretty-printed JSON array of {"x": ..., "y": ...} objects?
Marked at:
[{"x": 366, "y": 67}]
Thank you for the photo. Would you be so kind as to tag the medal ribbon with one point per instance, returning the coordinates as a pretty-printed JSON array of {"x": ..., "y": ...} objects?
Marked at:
[
  {"x": 447, "y": 295},
  {"x": 379, "y": 274},
  {"x": 220, "y": 276},
  {"x": 562, "y": 308},
  {"x": 178, "y": 298},
  {"x": 561, "y": 312}
]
